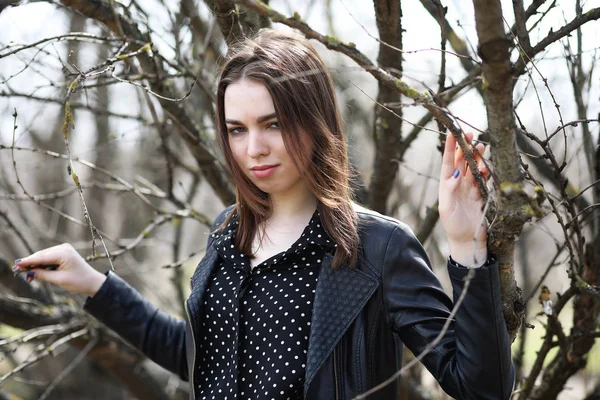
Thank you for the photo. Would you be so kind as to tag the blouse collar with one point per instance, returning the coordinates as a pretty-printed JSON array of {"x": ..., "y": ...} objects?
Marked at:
[{"x": 314, "y": 234}]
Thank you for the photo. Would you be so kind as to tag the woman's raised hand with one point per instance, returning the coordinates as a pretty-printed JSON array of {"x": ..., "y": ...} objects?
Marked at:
[
  {"x": 461, "y": 205},
  {"x": 72, "y": 272}
]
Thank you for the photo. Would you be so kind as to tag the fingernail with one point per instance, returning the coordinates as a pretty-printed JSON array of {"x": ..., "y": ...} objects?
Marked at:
[
  {"x": 30, "y": 275},
  {"x": 17, "y": 261},
  {"x": 15, "y": 267},
  {"x": 456, "y": 172}
]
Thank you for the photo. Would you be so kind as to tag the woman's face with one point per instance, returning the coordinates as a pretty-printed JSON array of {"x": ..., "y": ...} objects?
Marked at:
[{"x": 255, "y": 139}]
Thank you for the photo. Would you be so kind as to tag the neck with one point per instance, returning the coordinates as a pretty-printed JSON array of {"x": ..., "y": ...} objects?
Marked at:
[{"x": 292, "y": 207}]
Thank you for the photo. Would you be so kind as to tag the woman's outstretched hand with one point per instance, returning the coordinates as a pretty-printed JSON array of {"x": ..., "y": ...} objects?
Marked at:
[
  {"x": 72, "y": 272},
  {"x": 461, "y": 205}
]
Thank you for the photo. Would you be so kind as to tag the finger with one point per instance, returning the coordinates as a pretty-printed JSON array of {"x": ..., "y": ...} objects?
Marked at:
[
  {"x": 448, "y": 157},
  {"x": 459, "y": 152},
  {"x": 469, "y": 137},
  {"x": 25, "y": 269},
  {"x": 477, "y": 154},
  {"x": 43, "y": 275},
  {"x": 483, "y": 169},
  {"x": 469, "y": 178},
  {"x": 454, "y": 181},
  {"x": 478, "y": 151},
  {"x": 49, "y": 256}
]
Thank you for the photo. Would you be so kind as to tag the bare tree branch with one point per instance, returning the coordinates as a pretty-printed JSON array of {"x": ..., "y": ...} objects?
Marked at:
[
  {"x": 553, "y": 37},
  {"x": 228, "y": 18},
  {"x": 520, "y": 19},
  {"x": 459, "y": 45}
]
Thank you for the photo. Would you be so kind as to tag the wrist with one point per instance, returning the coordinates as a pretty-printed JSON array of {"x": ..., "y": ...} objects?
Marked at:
[
  {"x": 469, "y": 254},
  {"x": 96, "y": 281}
]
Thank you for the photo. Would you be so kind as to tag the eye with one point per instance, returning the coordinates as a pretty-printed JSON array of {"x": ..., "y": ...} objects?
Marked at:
[
  {"x": 274, "y": 125},
  {"x": 235, "y": 130}
]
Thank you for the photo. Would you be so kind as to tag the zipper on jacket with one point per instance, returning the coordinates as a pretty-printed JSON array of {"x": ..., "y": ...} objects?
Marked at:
[
  {"x": 194, "y": 358},
  {"x": 335, "y": 376}
]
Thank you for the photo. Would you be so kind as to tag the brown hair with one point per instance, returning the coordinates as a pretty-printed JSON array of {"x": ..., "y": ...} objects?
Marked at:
[{"x": 305, "y": 104}]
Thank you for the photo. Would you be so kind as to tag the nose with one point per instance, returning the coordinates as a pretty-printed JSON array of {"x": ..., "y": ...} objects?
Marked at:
[{"x": 257, "y": 145}]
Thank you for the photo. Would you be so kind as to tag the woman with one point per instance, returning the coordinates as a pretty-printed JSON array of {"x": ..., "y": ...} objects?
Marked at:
[{"x": 301, "y": 293}]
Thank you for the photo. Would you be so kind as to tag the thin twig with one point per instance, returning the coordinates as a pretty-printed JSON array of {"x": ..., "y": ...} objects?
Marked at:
[
  {"x": 78, "y": 36},
  {"x": 17, "y": 232},
  {"x": 179, "y": 263},
  {"x": 148, "y": 90},
  {"x": 47, "y": 351},
  {"x": 68, "y": 124},
  {"x": 70, "y": 190}
]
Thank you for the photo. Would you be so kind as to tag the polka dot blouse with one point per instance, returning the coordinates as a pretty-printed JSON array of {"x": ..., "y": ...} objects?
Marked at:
[{"x": 256, "y": 321}]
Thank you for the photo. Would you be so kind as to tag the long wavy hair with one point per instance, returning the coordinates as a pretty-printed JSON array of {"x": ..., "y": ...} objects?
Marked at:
[{"x": 305, "y": 104}]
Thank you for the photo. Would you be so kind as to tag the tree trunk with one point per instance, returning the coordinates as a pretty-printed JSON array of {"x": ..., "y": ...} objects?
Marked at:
[{"x": 506, "y": 214}]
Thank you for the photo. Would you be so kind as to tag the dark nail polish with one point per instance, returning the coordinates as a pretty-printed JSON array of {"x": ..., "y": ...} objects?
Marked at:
[
  {"x": 456, "y": 172},
  {"x": 17, "y": 261},
  {"x": 30, "y": 275},
  {"x": 15, "y": 267}
]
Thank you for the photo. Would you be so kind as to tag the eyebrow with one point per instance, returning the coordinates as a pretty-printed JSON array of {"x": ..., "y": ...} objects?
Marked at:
[{"x": 258, "y": 120}]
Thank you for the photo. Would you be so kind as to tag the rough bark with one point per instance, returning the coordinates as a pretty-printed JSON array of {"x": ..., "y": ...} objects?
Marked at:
[
  {"x": 388, "y": 127},
  {"x": 506, "y": 212}
]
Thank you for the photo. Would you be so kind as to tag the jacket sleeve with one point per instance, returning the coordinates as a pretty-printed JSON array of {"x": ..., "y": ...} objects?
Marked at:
[
  {"x": 160, "y": 336},
  {"x": 473, "y": 359}
]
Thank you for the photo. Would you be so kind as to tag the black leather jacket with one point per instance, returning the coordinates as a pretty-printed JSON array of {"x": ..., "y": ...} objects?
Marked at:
[{"x": 360, "y": 320}]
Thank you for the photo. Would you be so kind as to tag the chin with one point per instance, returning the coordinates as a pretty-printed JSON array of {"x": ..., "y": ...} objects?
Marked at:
[{"x": 268, "y": 189}]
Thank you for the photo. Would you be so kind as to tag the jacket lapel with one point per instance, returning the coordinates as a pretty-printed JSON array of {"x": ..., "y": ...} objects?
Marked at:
[
  {"x": 200, "y": 282},
  {"x": 339, "y": 297}
]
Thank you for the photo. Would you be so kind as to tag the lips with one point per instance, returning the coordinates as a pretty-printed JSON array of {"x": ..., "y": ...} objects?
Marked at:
[
  {"x": 262, "y": 167},
  {"x": 263, "y": 171}
]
